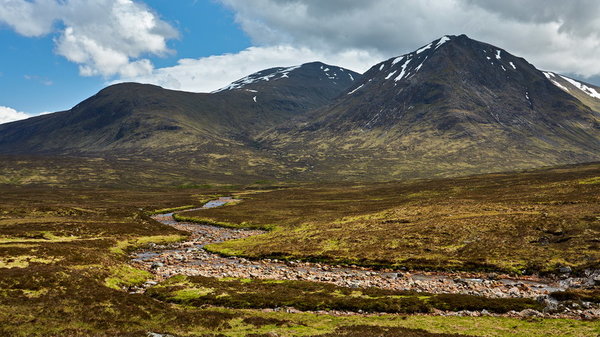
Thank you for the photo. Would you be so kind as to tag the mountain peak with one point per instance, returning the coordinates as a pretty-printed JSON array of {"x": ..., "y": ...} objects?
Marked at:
[
  {"x": 445, "y": 57},
  {"x": 312, "y": 71}
]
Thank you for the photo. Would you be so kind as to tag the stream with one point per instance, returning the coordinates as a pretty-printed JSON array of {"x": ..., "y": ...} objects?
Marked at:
[{"x": 189, "y": 258}]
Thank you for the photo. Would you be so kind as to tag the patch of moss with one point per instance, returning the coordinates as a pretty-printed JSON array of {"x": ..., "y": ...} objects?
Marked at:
[
  {"x": 590, "y": 181},
  {"x": 122, "y": 246},
  {"x": 125, "y": 276},
  {"x": 212, "y": 222},
  {"x": 23, "y": 261},
  {"x": 170, "y": 210}
]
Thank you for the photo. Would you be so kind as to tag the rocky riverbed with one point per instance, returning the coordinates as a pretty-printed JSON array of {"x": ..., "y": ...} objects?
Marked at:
[{"x": 189, "y": 258}]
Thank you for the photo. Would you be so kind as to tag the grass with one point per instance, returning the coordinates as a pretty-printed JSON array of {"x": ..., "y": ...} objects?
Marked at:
[
  {"x": 590, "y": 181},
  {"x": 519, "y": 223},
  {"x": 312, "y": 296},
  {"x": 212, "y": 222},
  {"x": 124, "y": 246},
  {"x": 23, "y": 261},
  {"x": 170, "y": 210},
  {"x": 125, "y": 276},
  {"x": 63, "y": 261}
]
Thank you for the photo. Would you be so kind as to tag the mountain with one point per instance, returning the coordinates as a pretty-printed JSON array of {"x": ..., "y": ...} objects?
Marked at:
[
  {"x": 455, "y": 106},
  {"x": 214, "y": 130}
]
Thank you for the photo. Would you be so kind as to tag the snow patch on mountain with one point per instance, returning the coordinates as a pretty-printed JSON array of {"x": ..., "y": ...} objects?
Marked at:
[
  {"x": 550, "y": 76},
  {"x": 390, "y": 75},
  {"x": 588, "y": 90},
  {"x": 403, "y": 72},
  {"x": 420, "y": 65},
  {"x": 397, "y": 59},
  {"x": 353, "y": 91},
  {"x": 424, "y": 49},
  {"x": 443, "y": 40}
]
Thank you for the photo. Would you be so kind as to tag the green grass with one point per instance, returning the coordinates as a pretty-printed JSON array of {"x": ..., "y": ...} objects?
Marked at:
[
  {"x": 212, "y": 222},
  {"x": 590, "y": 181},
  {"x": 123, "y": 246},
  {"x": 170, "y": 210},
  {"x": 125, "y": 276}
]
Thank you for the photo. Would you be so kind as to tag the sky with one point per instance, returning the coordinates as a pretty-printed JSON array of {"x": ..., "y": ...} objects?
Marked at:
[{"x": 56, "y": 53}]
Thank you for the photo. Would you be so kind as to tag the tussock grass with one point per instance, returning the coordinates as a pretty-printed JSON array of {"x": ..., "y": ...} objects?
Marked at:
[{"x": 304, "y": 295}]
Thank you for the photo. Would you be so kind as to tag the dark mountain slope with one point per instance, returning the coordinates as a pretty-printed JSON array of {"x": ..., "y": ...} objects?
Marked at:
[
  {"x": 141, "y": 118},
  {"x": 455, "y": 106},
  {"x": 210, "y": 133},
  {"x": 309, "y": 86}
]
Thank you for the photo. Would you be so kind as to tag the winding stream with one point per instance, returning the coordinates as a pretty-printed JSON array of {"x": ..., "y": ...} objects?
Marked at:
[{"x": 189, "y": 258}]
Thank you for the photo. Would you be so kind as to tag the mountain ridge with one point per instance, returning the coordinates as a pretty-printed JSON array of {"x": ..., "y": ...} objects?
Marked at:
[{"x": 455, "y": 106}]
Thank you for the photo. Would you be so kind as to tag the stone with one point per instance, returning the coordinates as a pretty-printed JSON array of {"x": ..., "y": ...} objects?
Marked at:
[{"x": 530, "y": 313}]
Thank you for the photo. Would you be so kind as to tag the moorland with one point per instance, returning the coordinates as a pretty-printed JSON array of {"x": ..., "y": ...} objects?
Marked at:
[{"x": 66, "y": 266}]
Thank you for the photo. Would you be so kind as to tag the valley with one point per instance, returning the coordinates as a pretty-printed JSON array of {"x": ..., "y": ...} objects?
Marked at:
[
  {"x": 68, "y": 250},
  {"x": 450, "y": 191}
]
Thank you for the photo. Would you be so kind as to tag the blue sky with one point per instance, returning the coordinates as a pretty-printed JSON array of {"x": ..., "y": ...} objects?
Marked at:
[
  {"x": 34, "y": 79},
  {"x": 55, "y": 53}
]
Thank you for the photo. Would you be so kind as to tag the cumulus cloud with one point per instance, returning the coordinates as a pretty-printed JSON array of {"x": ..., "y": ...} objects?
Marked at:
[
  {"x": 558, "y": 35},
  {"x": 10, "y": 115},
  {"x": 105, "y": 37},
  {"x": 210, "y": 73},
  {"x": 115, "y": 37}
]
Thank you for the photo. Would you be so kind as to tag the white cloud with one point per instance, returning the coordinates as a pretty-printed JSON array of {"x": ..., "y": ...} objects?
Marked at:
[
  {"x": 557, "y": 35},
  {"x": 105, "y": 37},
  {"x": 211, "y": 73},
  {"x": 10, "y": 115}
]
